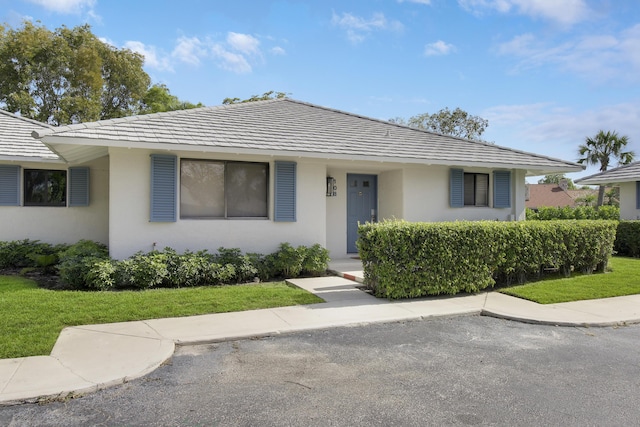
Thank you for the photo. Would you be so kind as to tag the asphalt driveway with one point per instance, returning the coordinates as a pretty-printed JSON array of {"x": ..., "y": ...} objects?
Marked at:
[{"x": 450, "y": 371}]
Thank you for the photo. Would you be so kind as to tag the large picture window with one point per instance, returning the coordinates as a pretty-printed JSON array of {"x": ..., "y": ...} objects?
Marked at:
[
  {"x": 45, "y": 187},
  {"x": 220, "y": 189},
  {"x": 476, "y": 189}
]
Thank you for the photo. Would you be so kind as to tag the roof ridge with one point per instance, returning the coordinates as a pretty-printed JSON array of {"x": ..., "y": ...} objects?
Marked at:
[
  {"x": 617, "y": 168},
  {"x": 25, "y": 119},
  {"x": 431, "y": 132}
]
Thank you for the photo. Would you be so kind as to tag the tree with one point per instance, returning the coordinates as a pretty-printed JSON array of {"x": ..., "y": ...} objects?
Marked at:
[
  {"x": 158, "y": 99},
  {"x": 556, "y": 178},
  {"x": 600, "y": 149},
  {"x": 68, "y": 75},
  {"x": 264, "y": 97},
  {"x": 455, "y": 123}
]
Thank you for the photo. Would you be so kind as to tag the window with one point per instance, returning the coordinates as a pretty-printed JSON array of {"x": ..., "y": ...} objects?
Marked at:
[
  {"x": 221, "y": 189},
  {"x": 476, "y": 189},
  {"x": 45, "y": 187}
]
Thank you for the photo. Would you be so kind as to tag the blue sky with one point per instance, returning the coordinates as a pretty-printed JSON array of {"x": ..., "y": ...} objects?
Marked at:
[{"x": 545, "y": 73}]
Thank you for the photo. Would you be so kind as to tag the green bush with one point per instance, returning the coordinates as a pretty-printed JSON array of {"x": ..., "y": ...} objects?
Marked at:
[
  {"x": 29, "y": 253},
  {"x": 404, "y": 259},
  {"x": 628, "y": 239},
  {"x": 86, "y": 265},
  {"x": 287, "y": 261},
  {"x": 546, "y": 213},
  {"x": 77, "y": 260},
  {"x": 244, "y": 269},
  {"x": 315, "y": 261}
]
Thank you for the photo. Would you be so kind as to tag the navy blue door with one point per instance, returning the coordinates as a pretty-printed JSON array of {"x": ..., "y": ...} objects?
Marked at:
[{"x": 362, "y": 205}]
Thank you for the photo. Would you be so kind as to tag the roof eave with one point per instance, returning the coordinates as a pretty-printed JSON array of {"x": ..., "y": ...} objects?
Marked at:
[{"x": 53, "y": 141}]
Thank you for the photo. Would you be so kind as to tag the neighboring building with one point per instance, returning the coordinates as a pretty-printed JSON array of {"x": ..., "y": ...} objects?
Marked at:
[
  {"x": 253, "y": 175},
  {"x": 34, "y": 199},
  {"x": 628, "y": 178},
  {"x": 557, "y": 196}
]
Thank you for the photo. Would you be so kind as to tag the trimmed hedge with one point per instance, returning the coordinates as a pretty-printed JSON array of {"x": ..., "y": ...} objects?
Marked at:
[
  {"x": 546, "y": 213},
  {"x": 408, "y": 260},
  {"x": 628, "y": 239}
]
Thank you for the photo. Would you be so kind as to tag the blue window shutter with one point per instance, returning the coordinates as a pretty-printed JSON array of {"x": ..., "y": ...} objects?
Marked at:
[
  {"x": 285, "y": 192},
  {"x": 78, "y": 187},
  {"x": 164, "y": 173},
  {"x": 637, "y": 194},
  {"x": 9, "y": 185},
  {"x": 456, "y": 188},
  {"x": 501, "y": 189}
]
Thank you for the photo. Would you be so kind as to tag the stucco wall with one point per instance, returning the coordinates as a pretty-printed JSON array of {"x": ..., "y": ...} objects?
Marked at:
[
  {"x": 130, "y": 230},
  {"x": 62, "y": 224},
  {"x": 426, "y": 190},
  {"x": 628, "y": 201}
]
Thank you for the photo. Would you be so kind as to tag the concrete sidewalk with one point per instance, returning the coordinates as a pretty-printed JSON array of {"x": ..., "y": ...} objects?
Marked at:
[{"x": 92, "y": 357}]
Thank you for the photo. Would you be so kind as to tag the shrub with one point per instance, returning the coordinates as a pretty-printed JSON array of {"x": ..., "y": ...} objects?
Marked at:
[
  {"x": 287, "y": 261},
  {"x": 142, "y": 270},
  {"x": 102, "y": 275},
  {"x": 263, "y": 265},
  {"x": 77, "y": 260},
  {"x": 546, "y": 213},
  {"x": 628, "y": 238},
  {"x": 29, "y": 253},
  {"x": 244, "y": 269},
  {"x": 404, "y": 259},
  {"x": 316, "y": 260}
]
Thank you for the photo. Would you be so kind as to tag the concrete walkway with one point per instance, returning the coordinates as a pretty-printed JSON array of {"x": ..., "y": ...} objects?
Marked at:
[{"x": 92, "y": 357}]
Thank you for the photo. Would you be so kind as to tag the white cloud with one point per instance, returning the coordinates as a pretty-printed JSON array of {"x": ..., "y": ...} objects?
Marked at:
[
  {"x": 427, "y": 2},
  {"x": 594, "y": 57},
  {"x": 151, "y": 58},
  {"x": 564, "y": 12},
  {"x": 439, "y": 48},
  {"x": 76, "y": 7},
  {"x": 243, "y": 43},
  {"x": 557, "y": 130},
  {"x": 189, "y": 50},
  {"x": 237, "y": 53},
  {"x": 231, "y": 61},
  {"x": 359, "y": 28}
]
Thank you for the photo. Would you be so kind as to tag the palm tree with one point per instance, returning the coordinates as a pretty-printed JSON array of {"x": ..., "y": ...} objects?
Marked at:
[{"x": 600, "y": 149}]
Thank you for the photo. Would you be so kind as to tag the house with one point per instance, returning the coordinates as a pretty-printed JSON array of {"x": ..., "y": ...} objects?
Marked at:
[
  {"x": 34, "y": 196},
  {"x": 556, "y": 195},
  {"x": 628, "y": 178},
  {"x": 253, "y": 175}
]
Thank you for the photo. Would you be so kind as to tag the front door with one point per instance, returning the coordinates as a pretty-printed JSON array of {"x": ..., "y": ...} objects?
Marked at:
[{"x": 362, "y": 205}]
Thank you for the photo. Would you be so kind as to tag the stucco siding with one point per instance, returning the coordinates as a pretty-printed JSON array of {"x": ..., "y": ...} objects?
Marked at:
[
  {"x": 62, "y": 224},
  {"x": 426, "y": 198},
  {"x": 130, "y": 230},
  {"x": 628, "y": 201}
]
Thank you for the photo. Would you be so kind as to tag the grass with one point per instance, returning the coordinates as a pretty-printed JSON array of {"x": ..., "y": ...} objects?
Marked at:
[
  {"x": 623, "y": 279},
  {"x": 32, "y": 317}
]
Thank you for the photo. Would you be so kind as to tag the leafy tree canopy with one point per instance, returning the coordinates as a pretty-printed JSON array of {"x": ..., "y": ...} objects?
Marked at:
[
  {"x": 70, "y": 76},
  {"x": 601, "y": 149},
  {"x": 265, "y": 96},
  {"x": 67, "y": 75},
  {"x": 555, "y": 178},
  {"x": 455, "y": 123},
  {"x": 158, "y": 99}
]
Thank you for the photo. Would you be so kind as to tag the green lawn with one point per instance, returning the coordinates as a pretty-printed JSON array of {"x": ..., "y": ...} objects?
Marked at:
[
  {"x": 32, "y": 318},
  {"x": 623, "y": 279}
]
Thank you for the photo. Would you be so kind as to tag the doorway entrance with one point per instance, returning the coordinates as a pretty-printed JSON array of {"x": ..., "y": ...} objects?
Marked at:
[{"x": 362, "y": 205}]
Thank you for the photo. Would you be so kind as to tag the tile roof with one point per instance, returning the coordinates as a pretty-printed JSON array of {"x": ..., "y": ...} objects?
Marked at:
[
  {"x": 630, "y": 172},
  {"x": 290, "y": 127},
  {"x": 550, "y": 195},
  {"x": 16, "y": 142}
]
